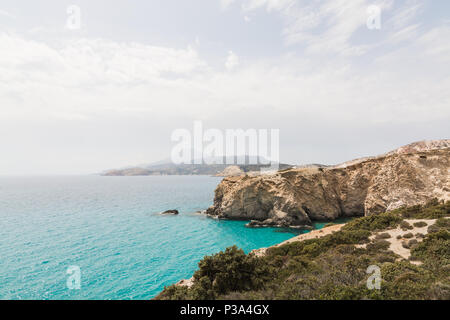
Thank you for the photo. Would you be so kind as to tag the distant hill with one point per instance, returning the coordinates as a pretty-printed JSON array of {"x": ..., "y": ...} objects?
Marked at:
[{"x": 169, "y": 168}]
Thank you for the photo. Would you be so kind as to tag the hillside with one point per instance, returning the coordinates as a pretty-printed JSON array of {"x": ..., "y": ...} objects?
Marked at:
[{"x": 409, "y": 247}]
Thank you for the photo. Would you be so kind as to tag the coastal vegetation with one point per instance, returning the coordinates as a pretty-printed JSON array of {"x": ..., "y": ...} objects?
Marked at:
[{"x": 335, "y": 266}]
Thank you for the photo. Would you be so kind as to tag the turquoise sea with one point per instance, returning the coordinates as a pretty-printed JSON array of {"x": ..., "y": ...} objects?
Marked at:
[{"x": 110, "y": 228}]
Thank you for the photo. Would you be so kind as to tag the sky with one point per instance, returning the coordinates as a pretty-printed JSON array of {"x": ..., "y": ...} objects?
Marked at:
[{"x": 109, "y": 91}]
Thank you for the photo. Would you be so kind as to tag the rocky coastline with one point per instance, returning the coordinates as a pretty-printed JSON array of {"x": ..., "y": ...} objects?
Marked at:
[{"x": 296, "y": 197}]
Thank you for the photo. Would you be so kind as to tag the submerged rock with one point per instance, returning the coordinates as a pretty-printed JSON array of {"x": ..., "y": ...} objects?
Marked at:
[
  {"x": 173, "y": 211},
  {"x": 275, "y": 223}
]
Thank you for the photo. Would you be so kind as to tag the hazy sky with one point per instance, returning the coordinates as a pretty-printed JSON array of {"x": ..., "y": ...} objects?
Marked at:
[{"x": 111, "y": 93}]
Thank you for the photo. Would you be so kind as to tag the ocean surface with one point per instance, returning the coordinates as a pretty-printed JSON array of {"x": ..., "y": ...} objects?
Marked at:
[{"x": 109, "y": 228}]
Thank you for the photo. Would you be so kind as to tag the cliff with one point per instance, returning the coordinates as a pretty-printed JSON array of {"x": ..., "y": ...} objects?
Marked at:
[{"x": 295, "y": 197}]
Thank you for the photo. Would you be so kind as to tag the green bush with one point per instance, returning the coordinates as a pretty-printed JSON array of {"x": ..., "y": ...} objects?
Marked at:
[
  {"x": 174, "y": 292},
  {"x": 378, "y": 245},
  {"x": 420, "y": 224},
  {"x": 403, "y": 280},
  {"x": 383, "y": 235},
  {"x": 408, "y": 235},
  {"x": 406, "y": 226},
  {"x": 441, "y": 224},
  {"x": 434, "y": 209},
  {"x": 229, "y": 271},
  {"x": 374, "y": 222},
  {"x": 315, "y": 247},
  {"x": 433, "y": 228},
  {"x": 434, "y": 249},
  {"x": 420, "y": 235}
]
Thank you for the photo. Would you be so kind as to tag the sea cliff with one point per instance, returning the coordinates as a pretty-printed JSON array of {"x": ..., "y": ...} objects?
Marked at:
[{"x": 407, "y": 176}]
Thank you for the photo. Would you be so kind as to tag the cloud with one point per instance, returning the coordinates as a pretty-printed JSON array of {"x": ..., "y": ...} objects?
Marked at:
[
  {"x": 320, "y": 26},
  {"x": 226, "y": 3},
  {"x": 232, "y": 61},
  {"x": 85, "y": 78},
  {"x": 270, "y": 5},
  {"x": 34, "y": 73},
  {"x": 90, "y": 103},
  {"x": 329, "y": 27},
  {"x": 405, "y": 15},
  {"x": 7, "y": 14}
]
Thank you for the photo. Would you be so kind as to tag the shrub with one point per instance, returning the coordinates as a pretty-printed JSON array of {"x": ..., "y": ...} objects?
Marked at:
[
  {"x": 383, "y": 235},
  {"x": 420, "y": 235},
  {"x": 434, "y": 249},
  {"x": 378, "y": 245},
  {"x": 408, "y": 235},
  {"x": 441, "y": 224},
  {"x": 174, "y": 292},
  {"x": 405, "y": 225},
  {"x": 315, "y": 247},
  {"x": 374, "y": 222},
  {"x": 420, "y": 224},
  {"x": 434, "y": 209},
  {"x": 403, "y": 280},
  {"x": 412, "y": 242},
  {"x": 433, "y": 228},
  {"x": 227, "y": 271}
]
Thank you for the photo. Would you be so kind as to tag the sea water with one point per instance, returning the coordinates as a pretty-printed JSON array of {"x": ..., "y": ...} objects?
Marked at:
[{"x": 110, "y": 229}]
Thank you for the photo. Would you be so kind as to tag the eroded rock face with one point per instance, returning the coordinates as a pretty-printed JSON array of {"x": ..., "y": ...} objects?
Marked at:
[{"x": 295, "y": 197}]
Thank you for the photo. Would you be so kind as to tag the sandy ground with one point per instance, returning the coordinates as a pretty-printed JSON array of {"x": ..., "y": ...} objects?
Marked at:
[{"x": 396, "y": 245}]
